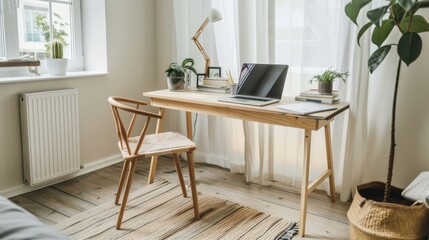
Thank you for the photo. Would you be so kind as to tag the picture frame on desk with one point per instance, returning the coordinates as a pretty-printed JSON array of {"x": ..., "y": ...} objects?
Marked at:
[
  {"x": 200, "y": 78},
  {"x": 214, "y": 72}
]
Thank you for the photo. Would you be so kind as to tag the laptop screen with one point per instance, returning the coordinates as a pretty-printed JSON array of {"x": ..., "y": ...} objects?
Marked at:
[{"x": 262, "y": 80}]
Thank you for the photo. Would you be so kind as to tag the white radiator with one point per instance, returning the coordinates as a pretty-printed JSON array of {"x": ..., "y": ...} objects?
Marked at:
[{"x": 50, "y": 134}]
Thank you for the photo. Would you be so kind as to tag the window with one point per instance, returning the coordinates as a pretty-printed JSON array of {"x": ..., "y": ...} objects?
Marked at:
[
  {"x": 299, "y": 30},
  {"x": 306, "y": 40},
  {"x": 27, "y": 27},
  {"x": 2, "y": 32},
  {"x": 32, "y": 31}
]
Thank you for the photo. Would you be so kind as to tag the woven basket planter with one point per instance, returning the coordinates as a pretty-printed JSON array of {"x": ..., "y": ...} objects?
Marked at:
[{"x": 376, "y": 220}]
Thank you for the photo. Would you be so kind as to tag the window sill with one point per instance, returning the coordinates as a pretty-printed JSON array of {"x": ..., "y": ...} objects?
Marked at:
[{"x": 43, "y": 77}]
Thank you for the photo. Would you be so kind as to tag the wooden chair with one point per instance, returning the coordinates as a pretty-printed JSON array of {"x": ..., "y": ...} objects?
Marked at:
[{"x": 147, "y": 145}]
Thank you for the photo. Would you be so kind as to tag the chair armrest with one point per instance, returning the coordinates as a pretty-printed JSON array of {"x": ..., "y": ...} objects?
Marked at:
[
  {"x": 128, "y": 100},
  {"x": 116, "y": 101}
]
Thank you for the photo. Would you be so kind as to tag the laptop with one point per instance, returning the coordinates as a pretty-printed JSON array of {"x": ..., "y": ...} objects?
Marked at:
[{"x": 259, "y": 84}]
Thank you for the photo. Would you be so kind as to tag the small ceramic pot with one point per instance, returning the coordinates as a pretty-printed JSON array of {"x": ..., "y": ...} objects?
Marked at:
[
  {"x": 325, "y": 88},
  {"x": 57, "y": 66}
]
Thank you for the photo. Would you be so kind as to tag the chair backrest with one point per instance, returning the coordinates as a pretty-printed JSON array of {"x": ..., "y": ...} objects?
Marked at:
[{"x": 121, "y": 105}]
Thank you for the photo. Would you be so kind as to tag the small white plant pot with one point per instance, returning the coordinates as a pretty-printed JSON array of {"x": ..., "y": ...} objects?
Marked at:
[{"x": 57, "y": 66}]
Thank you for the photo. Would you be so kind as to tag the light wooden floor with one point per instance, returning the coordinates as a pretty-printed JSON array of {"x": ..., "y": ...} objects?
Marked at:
[{"x": 325, "y": 220}]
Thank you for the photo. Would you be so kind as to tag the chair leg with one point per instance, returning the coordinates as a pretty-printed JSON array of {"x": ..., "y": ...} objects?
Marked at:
[
  {"x": 179, "y": 174},
  {"x": 124, "y": 174},
  {"x": 127, "y": 191},
  {"x": 193, "y": 184},
  {"x": 152, "y": 170}
]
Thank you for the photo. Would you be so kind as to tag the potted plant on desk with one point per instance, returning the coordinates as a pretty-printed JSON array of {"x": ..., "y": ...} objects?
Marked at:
[
  {"x": 327, "y": 78},
  {"x": 178, "y": 76},
  {"x": 378, "y": 210}
]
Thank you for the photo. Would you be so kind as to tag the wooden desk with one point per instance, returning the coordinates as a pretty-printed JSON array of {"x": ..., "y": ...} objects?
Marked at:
[{"x": 207, "y": 103}]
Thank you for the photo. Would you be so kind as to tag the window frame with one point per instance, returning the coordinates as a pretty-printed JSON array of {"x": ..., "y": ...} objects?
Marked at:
[
  {"x": 10, "y": 40},
  {"x": 2, "y": 33}
]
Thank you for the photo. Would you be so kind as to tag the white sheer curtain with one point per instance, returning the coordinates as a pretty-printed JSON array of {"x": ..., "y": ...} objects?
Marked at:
[
  {"x": 309, "y": 36},
  {"x": 357, "y": 95},
  {"x": 219, "y": 140}
]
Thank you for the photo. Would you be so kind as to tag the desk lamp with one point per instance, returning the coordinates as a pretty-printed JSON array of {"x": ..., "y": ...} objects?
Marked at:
[{"x": 214, "y": 16}]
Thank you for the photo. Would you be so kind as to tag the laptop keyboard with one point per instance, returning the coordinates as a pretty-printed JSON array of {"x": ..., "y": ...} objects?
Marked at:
[{"x": 253, "y": 99}]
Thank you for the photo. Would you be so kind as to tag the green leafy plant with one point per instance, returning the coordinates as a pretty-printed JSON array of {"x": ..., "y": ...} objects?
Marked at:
[
  {"x": 329, "y": 76},
  {"x": 58, "y": 32},
  {"x": 402, "y": 15},
  {"x": 57, "y": 50},
  {"x": 176, "y": 70}
]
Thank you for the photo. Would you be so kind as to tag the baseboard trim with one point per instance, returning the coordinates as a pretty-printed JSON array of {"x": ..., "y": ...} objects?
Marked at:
[{"x": 87, "y": 168}]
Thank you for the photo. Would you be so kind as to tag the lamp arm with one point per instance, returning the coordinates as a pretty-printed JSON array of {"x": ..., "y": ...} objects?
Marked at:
[
  {"x": 200, "y": 47},
  {"x": 200, "y": 30},
  {"x": 205, "y": 55},
  {"x": 203, "y": 52}
]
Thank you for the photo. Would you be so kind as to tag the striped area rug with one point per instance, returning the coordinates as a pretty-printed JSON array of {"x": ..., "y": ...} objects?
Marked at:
[{"x": 159, "y": 211}]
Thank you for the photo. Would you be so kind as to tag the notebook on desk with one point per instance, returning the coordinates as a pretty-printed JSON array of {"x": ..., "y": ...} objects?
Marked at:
[{"x": 259, "y": 84}]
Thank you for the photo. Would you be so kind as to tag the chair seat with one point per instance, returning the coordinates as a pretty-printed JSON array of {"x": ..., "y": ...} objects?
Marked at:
[
  {"x": 156, "y": 144},
  {"x": 150, "y": 145}
]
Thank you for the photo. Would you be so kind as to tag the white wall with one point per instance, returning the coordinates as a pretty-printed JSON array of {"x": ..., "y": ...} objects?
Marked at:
[
  {"x": 164, "y": 39},
  {"x": 412, "y": 120},
  {"x": 412, "y": 117},
  {"x": 131, "y": 65}
]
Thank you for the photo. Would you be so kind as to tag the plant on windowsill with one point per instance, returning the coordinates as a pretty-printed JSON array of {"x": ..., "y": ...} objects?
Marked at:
[
  {"x": 58, "y": 30},
  {"x": 57, "y": 65},
  {"x": 378, "y": 210},
  {"x": 327, "y": 78},
  {"x": 178, "y": 76}
]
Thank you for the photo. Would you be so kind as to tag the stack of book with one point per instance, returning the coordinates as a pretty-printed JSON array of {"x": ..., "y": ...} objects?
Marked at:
[
  {"x": 220, "y": 85},
  {"x": 315, "y": 96}
]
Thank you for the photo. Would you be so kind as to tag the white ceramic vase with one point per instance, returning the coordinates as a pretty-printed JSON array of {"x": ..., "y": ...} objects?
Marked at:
[{"x": 57, "y": 66}]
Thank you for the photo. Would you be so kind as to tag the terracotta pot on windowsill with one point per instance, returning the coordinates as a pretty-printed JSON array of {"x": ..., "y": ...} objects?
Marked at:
[{"x": 57, "y": 66}]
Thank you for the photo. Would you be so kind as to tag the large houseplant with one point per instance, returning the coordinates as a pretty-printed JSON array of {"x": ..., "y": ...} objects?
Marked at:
[
  {"x": 178, "y": 75},
  {"x": 382, "y": 221}
]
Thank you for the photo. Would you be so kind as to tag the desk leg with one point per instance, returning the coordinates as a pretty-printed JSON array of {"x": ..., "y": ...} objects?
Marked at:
[
  {"x": 329, "y": 160},
  {"x": 154, "y": 160},
  {"x": 304, "y": 187},
  {"x": 189, "y": 124}
]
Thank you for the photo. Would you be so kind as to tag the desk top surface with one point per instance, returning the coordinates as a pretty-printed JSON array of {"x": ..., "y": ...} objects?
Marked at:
[{"x": 194, "y": 96}]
